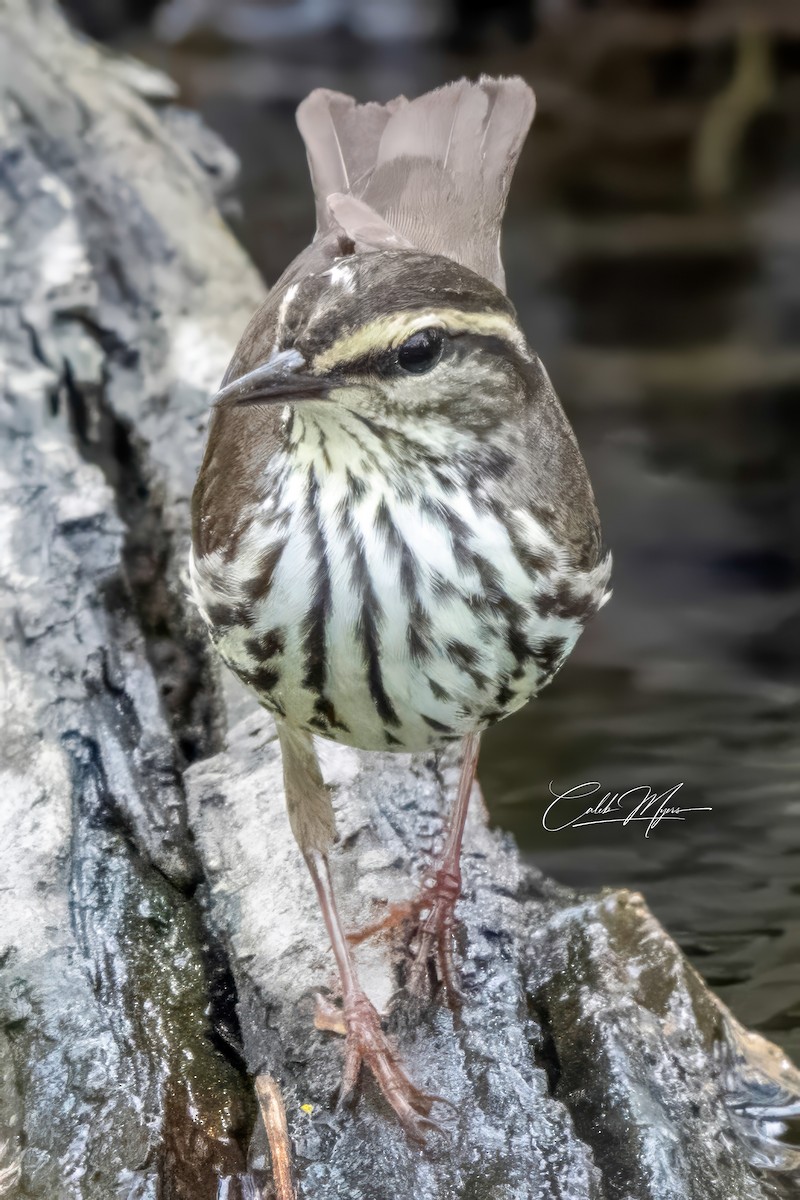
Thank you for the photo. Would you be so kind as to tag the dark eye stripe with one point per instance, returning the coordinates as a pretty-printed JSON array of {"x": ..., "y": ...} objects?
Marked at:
[{"x": 384, "y": 362}]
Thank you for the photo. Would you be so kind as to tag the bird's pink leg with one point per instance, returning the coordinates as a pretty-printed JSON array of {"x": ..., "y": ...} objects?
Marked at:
[
  {"x": 366, "y": 1043},
  {"x": 310, "y": 812},
  {"x": 433, "y": 910}
]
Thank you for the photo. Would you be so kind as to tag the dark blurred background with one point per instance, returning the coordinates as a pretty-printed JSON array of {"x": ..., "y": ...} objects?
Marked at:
[{"x": 653, "y": 252}]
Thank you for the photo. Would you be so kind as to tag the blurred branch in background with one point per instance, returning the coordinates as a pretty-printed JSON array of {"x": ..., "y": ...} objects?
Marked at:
[{"x": 728, "y": 117}]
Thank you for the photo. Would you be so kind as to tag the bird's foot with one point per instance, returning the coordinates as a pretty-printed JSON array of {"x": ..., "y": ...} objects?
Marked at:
[
  {"x": 368, "y": 1045},
  {"x": 429, "y": 919},
  {"x": 432, "y": 940},
  {"x": 398, "y": 914}
]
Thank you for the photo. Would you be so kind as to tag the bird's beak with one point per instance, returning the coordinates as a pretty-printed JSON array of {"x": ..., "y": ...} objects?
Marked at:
[{"x": 282, "y": 379}]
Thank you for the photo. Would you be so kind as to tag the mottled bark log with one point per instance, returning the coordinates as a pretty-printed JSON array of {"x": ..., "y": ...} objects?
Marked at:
[{"x": 159, "y": 942}]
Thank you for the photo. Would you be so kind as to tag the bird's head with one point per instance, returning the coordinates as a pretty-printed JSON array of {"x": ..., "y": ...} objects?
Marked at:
[{"x": 384, "y": 334}]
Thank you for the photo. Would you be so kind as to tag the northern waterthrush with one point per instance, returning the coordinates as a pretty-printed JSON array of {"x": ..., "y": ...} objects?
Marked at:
[{"x": 395, "y": 542}]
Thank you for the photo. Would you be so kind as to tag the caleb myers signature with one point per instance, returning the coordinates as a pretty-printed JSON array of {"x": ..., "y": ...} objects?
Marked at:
[{"x": 614, "y": 807}]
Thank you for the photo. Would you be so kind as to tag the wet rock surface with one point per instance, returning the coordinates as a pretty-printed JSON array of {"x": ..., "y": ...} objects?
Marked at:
[{"x": 159, "y": 941}]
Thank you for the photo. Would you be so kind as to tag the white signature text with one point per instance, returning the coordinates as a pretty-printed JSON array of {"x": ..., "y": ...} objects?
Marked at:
[{"x": 641, "y": 803}]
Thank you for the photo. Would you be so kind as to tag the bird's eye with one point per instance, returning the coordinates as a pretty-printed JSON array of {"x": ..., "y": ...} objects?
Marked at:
[{"x": 421, "y": 352}]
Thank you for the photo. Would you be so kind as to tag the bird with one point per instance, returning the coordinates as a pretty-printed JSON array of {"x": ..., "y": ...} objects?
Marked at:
[{"x": 395, "y": 542}]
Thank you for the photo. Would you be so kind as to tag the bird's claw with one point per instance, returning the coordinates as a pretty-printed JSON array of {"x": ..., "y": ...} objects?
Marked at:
[
  {"x": 368, "y": 1045},
  {"x": 399, "y": 913},
  {"x": 328, "y": 1016}
]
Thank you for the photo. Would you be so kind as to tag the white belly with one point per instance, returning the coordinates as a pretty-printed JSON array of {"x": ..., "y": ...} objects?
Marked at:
[{"x": 380, "y": 627}]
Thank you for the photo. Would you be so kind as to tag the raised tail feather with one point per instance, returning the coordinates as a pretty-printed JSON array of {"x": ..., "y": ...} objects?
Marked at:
[{"x": 432, "y": 173}]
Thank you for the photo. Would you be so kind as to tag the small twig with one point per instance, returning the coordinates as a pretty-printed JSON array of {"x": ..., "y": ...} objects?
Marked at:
[{"x": 273, "y": 1114}]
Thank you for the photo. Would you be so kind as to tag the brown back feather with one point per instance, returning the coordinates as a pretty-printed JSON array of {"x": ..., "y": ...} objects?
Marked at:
[{"x": 432, "y": 173}]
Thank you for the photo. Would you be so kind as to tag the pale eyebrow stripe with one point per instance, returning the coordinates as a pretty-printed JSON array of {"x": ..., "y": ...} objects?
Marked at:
[{"x": 387, "y": 332}]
